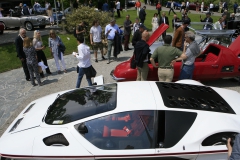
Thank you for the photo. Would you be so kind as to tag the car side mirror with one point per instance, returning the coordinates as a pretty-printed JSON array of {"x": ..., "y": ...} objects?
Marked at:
[{"x": 82, "y": 128}]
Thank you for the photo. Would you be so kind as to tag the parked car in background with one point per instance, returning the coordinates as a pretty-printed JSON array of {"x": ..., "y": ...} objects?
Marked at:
[
  {"x": 192, "y": 6},
  {"x": 131, "y": 3},
  {"x": 40, "y": 10},
  {"x": 29, "y": 22},
  {"x": 176, "y": 5},
  {"x": 67, "y": 11},
  {"x": 1, "y": 28}
]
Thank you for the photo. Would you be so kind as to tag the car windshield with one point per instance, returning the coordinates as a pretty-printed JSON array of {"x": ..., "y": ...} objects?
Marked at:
[{"x": 82, "y": 103}]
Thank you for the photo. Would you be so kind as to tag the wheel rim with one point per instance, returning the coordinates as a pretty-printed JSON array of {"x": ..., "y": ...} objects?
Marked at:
[
  {"x": 4, "y": 26},
  {"x": 29, "y": 26}
]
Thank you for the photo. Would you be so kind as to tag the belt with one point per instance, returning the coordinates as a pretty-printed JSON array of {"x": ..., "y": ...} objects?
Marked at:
[
  {"x": 166, "y": 67},
  {"x": 110, "y": 39}
]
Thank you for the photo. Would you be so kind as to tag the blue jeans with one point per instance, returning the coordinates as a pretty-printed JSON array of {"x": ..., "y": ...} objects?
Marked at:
[
  {"x": 80, "y": 76},
  {"x": 186, "y": 72}
]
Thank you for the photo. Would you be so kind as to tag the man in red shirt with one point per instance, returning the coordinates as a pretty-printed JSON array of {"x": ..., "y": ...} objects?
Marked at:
[{"x": 138, "y": 6}]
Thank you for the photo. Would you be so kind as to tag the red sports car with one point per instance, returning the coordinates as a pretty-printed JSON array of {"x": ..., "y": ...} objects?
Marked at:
[
  {"x": 1, "y": 28},
  {"x": 215, "y": 62}
]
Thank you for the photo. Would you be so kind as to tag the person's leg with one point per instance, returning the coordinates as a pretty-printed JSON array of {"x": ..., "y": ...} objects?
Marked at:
[
  {"x": 186, "y": 72},
  {"x": 44, "y": 59},
  {"x": 164, "y": 34},
  {"x": 89, "y": 81},
  {"x": 169, "y": 75},
  {"x": 138, "y": 74},
  {"x": 100, "y": 46},
  {"x": 25, "y": 69},
  {"x": 126, "y": 42},
  {"x": 161, "y": 76},
  {"x": 174, "y": 11},
  {"x": 95, "y": 51},
  {"x": 30, "y": 69},
  {"x": 36, "y": 72},
  {"x": 110, "y": 43},
  {"x": 95, "y": 55},
  {"x": 63, "y": 62},
  {"x": 144, "y": 73},
  {"x": 55, "y": 56},
  {"x": 80, "y": 76}
]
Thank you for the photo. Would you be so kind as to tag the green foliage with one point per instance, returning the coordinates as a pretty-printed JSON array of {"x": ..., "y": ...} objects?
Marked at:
[{"x": 88, "y": 15}]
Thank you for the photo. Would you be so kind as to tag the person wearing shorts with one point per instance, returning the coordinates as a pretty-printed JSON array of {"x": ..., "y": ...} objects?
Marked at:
[{"x": 96, "y": 39}]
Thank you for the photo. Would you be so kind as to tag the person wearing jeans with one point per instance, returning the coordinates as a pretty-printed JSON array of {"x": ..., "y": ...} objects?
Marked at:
[
  {"x": 190, "y": 52},
  {"x": 54, "y": 42},
  {"x": 84, "y": 58},
  {"x": 110, "y": 31}
]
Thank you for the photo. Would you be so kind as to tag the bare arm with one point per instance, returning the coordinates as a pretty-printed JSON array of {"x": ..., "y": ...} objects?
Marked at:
[
  {"x": 91, "y": 38},
  {"x": 153, "y": 63}
]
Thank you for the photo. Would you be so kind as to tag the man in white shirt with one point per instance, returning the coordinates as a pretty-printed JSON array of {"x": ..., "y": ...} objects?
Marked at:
[
  {"x": 118, "y": 8},
  {"x": 171, "y": 8},
  {"x": 211, "y": 8},
  {"x": 110, "y": 31},
  {"x": 1, "y": 12},
  {"x": 187, "y": 6},
  {"x": 218, "y": 24},
  {"x": 84, "y": 58},
  {"x": 96, "y": 39}
]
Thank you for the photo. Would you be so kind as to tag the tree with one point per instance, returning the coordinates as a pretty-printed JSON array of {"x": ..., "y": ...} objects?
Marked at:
[{"x": 87, "y": 15}]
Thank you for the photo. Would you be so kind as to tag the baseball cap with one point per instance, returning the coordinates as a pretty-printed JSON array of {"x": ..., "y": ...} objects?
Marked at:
[
  {"x": 142, "y": 26},
  {"x": 24, "y": 5}
]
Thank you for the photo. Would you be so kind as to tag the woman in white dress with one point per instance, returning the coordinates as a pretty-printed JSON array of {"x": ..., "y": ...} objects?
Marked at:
[
  {"x": 202, "y": 6},
  {"x": 155, "y": 22},
  {"x": 50, "y": 15}
]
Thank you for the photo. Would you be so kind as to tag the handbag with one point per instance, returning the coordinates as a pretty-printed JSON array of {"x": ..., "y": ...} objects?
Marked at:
[{"x": 133, "y": 64}]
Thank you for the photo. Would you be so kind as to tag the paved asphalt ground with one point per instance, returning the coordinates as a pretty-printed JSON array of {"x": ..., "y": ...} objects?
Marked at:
[{"x": 16, "y": 93}]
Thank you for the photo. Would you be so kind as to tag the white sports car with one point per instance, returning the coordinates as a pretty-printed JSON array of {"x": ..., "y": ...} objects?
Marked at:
[{"x": 126, "y": 120}]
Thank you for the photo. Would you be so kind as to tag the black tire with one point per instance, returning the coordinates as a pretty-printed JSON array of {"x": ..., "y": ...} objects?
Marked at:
[
  {"x": 1, "y": 31},
  {"x": 29, "y": 26},
  {"x": 42, "y": 27}
]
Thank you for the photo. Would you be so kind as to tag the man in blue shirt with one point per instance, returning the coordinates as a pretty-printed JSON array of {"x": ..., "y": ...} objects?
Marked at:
[
  {"x": 110, "y": 31},
  {"x": 105, "y": 7}
]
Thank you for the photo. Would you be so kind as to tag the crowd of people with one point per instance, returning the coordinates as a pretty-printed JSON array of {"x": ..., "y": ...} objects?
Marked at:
[
  {"x": 33, "y": 59},
  {"x": 182, "y": 44}
]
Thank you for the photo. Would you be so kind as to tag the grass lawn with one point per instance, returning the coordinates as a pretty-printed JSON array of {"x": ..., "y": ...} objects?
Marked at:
[
  {"x": 8, "y": 53},
  {"x": 150, "y": 13}
]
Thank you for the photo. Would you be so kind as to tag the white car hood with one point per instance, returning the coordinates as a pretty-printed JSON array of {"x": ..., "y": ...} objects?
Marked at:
[{"x": 34, "y": 117}]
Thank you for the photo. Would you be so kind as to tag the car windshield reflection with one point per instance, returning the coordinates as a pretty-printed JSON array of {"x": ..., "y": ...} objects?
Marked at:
[{"x": 82, "y": 103}]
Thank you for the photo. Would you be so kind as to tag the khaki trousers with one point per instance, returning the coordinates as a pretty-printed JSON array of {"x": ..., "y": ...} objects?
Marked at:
[
  {"x": 142, "y": 73},
  {"x": 165, "y": 75}
]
